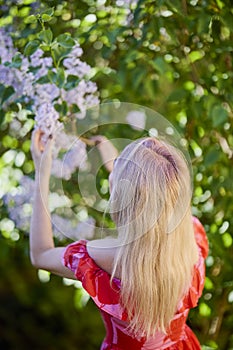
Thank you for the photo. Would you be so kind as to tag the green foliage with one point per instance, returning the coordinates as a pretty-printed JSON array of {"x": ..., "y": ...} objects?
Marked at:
[
  {"x": 172, "y": 56},
  {"x": 41, "y": 314},
  {"x": 5, "y": 93},
  {"x": 31, "y": 47}
]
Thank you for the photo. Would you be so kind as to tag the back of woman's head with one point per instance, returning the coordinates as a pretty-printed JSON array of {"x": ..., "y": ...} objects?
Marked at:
[
  {"x": 151, "y": 184},
  {"x": 150, "y": 203}
]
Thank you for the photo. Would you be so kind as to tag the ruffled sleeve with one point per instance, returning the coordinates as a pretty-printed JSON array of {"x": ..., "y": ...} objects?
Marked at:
[
  {"x": 197, "y": 285},
  {"x": 94, "y": 280},
  {"x": 201, "y": 237}
]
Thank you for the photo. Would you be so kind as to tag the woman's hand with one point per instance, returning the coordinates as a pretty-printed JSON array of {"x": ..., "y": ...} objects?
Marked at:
[
  {"x": 99, "y": 139},
  {"x": 107, "y": 151},
  {"x": 41, "y": 153}
]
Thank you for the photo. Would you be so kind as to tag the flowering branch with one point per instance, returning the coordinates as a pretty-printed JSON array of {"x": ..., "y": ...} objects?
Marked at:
[{"x": 50, "y": 82}]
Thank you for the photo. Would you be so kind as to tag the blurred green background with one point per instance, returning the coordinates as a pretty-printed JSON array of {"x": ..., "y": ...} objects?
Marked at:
[{"x": 175, "y": 57}]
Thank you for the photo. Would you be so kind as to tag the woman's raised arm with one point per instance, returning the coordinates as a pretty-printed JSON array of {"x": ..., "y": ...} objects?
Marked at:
[
  {"x": 107, "y": 151},
  {"x": 43, "y": 253}
]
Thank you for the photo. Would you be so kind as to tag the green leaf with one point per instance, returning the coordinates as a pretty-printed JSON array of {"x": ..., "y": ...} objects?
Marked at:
[
  {"x": 9, "y": 91},
  {"x": 16, "y": 61},
  {"x": 2, "y": 116},
  {"x": 30, "y": 19},
  {"x": 60, "y": 77},
  {"x": 71, "y": 82},
  {"x": 133, "y": 56},
  {"x": 212, "y": 156},
  {"x": 220, "y": 4},
  {"x": 176, "y": 7},
  {"x": 52, "y": 77},
  {"x": 150, "y": 88},
  {"x": 62, "y": 109},
  {"x": 208, "y": 283},
  {"x": 46, "y": 36},
  {"x": 160, "y": 65},
  {"x": 227, "y": 240},
  {"x": 2, "y": 88},
  {"x": 74, "y": 108},
  {"x": 43, "y": 80},
  {"x": 5, "y": 93},
  {"x": 219, "y": 116},
  {"x": 196, "y": 55},
  {"x": 45, "y": 17},
  {"x": 60, "y": 52},
  {"x": 31, "y": 47},
  {"x": 139, "y": 75},
  {"x": 227, "y": 20},
  {"x": 189, "y": 85},
  {"x": 49, "y": 11},
  {"x": 203, "y": 22},
  {"x": 177, "y": 95},
  {"x": 204, "y": 310},
  {"x": 65, "y": 40},
  {"x": 45, "y": 48}
]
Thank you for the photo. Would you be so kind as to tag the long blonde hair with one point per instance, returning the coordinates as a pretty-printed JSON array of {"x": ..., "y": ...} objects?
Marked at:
[{"x": 150, "y": 204}]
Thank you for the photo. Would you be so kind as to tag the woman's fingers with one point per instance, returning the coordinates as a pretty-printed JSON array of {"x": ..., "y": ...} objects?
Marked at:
[
  {"x": 35, "y": 141},
  {"x": 41, "y": 152},
  {"x": 49, "y": 145},
  {"x": 37, "y": 146},
  {"x": 98, "y": 139}
]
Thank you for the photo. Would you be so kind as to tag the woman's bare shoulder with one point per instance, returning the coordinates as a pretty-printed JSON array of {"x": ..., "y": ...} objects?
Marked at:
[{"x": 103, "y": 252}]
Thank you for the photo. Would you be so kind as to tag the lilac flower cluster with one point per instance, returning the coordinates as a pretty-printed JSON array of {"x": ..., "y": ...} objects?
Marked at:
[
  {"x": 136, "y": 119},
  {"x": 75, "y": 157},
  {"x": 73, "y": 63},
  {"x": 84, "y": 94},
  {"x": 8, "y": 75},
  {"x": 19, "y": 205},
  {"x": 42, "y": 97},
  {"x": 7, "y": 49},
  {"x": 63, "y": 227},
  {"x": 39, "y": 95}
]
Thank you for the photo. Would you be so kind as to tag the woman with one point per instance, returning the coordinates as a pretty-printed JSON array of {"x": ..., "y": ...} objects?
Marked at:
[{"x": 145, "y": 281}]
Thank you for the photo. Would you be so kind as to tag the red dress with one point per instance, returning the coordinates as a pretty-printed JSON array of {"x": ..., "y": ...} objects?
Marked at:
[{"x": 97, "y": 283}]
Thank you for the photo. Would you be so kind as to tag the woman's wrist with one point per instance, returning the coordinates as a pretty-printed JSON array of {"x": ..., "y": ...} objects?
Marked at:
[
  {"x": 41, "y": 182},
  {"x": 42, "y": 175}
]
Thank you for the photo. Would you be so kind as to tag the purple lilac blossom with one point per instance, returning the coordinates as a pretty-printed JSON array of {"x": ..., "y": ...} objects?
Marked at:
[
  {"x": 40, "y": 99},
  {"x": 63, "y": 227}
]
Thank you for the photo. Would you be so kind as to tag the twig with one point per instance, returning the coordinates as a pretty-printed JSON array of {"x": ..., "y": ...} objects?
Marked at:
[
  {"x": 184, "y": 5},
  {"x": 88, "y": 142}
]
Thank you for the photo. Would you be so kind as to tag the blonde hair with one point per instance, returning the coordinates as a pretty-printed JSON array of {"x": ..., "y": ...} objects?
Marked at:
[{"x": 150, "y": 204}]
